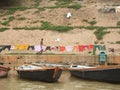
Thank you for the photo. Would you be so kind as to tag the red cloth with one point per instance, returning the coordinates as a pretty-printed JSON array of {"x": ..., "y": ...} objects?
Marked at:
[
  {"x": 62, "y": 48},
  {"x": 81, "y": 48},
  {"x": 52, "y": 48},
  {"x": 91, "y": 47}
]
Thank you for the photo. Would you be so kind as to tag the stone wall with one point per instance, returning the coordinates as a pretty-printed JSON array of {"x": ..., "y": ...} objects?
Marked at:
[{"x": 15, "y": 60}]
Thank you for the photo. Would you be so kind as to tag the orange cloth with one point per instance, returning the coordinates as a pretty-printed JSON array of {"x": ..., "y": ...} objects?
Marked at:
[{"x": 75, "y": 48}]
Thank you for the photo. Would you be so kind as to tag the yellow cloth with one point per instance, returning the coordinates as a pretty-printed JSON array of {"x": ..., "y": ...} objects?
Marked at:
[{"x": 21, "y": 47}]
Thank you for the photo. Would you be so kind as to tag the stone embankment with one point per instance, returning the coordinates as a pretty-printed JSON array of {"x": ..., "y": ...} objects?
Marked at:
[{"x": 16, "y": 60}]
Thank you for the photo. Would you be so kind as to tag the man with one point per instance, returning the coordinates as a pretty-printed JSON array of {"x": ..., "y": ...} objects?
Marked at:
[{"x": 41, "y": 44}]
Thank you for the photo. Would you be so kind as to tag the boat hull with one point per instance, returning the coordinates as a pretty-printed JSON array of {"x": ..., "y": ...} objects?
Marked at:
[
  {"x": 111, "y": 75},
  {"x": 47, "y": 75},
  {"x": 4, "y": 71}
]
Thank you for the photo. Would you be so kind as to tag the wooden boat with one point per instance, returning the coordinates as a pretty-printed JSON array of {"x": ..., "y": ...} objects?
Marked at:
[
  {"x": 40, "y": 73},
  {"x": 4, "y": 71},
  {"x": 101, "y": 73}
]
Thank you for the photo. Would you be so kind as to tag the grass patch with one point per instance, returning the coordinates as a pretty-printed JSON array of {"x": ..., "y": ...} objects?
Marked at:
[
  {"x": 75, "y": 6},
  {"x": 62, "y": 3},
  {"x": 119, "y": 32},
  {"x": 21, "y": 18},
  {"x": 99, "y": 33},
  {"x": 3, "y": 29},
  {"x": 37, "y": 2},
  {"x": 27, "y": 28},
  {"x": 118, "y": 42},
  {"x": 66, "y": 3},
  {"x": 14, "y": 9},
  {"x": 93, "y": 22},
  {"x": 118, "y": 23},
  {"x": 47, "y": 26},
  {"x": 6, "y": 23},
  {"x": 95, "y": 42}
]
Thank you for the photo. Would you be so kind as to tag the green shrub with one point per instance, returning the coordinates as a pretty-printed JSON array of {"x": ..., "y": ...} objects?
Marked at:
[
  {"x": 5, "y": 23},
  {"x": 3, "y": 29},
  {"x": 11, "y": 18},
  {"x": 95, "y": 42},
  {"x": 118, "y": 42},
  {"x": 61, "y": 28},
  {"x": 21, "y": 18},
  {"x": 85, "y": 20},
  {"x": 118, "y": 23},
  {"x": 14, "y": 9},
  {"x": 119, "y": 32},
  {"x": 37, "y": 2},
  {"x": 90, "y": 27},
  {"x": 75, "y": 6},
  {"x": 49, "y": 26},
  {"x": 68, "y": 1},
  {"x": 99, "y": 33},
  {"x": 46, "y": 25},
  {"x": 92, "y": 22}
]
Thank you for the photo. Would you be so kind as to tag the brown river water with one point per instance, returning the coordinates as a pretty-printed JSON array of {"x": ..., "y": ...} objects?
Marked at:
[{"x": 66, "y": 82}]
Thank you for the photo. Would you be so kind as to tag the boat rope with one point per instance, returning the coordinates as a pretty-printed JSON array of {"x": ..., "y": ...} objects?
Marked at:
[{"x": 55, "y": 72}]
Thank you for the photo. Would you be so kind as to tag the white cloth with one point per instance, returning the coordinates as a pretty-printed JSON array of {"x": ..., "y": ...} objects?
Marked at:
[
  {"x": 69, "y": 48},
  {"x": 37, "y": 48},
  {"x": 68, "y": 15},
  {"x": 57, "y": 39}
]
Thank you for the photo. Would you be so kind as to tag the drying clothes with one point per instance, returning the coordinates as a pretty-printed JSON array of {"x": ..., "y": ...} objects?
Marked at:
[
  {"x": 48, "y": 48},
  {"x": 76, "y": 48},
  {"x": 100, "y": 47},
  {"x": 53, "y": 48},
  {"x": 97, "y": 47},
  {"x": 91, "y": 47},
  {"x": 69, "y": 48},
  {"x": 86, "y": 47},
  {"x": 21, "y": 47},
  {"x": 31, "y": 47},
  {"x": 16, "y": 47},
  {"x": 62, "y": 48},
  {"x": 111, "y": 49},
  {"x": 37, "y": 48},
  {"x": 81, "y": 48},
  {"x": 57, "y": 48},
  {"x": 4, "y": 47},
  {"x": 44, "y": 48},
  {"x": 103, "y": 47},
  {"x": 12, "y": 48}
]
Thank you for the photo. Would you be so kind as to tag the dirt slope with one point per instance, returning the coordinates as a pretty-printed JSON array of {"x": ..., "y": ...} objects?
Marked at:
[{"x": 32, "y": 17}]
